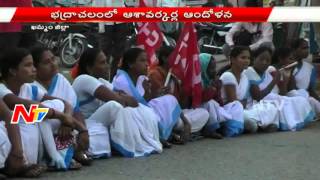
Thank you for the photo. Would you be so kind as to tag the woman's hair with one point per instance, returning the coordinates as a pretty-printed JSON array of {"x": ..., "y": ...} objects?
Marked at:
[
  {"x": 37, "y": 53},
  {"x": 237, "y": 50},
  {"x": 261, "y": 50},
  {"x": 87, "y": 59},
  {"x": 164, "y": 52},
  {"x": 130, "y": 57},
  {"x": 296, "y": 43},
  {"x": 281, "y": 53},
  {"x": 11, "y": 60},
  {"x": 224, "y": 69}
]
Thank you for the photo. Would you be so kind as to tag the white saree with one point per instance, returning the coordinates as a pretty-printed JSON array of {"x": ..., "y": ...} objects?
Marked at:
[
  {"x": 133, "y": 131},
  {"x": 289, "y": 113},
  {"x": 165, "y": 107}
]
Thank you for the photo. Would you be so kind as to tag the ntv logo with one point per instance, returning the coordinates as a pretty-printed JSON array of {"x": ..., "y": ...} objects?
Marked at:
[{"x": 34, "y": 115}]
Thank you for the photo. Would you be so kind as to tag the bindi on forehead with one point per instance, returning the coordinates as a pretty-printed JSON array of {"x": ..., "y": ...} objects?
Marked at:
[{"x": 49, "y": 59}]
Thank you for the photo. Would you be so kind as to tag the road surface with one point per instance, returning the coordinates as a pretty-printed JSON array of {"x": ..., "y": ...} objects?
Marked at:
[{"x": 275, "y": 156}]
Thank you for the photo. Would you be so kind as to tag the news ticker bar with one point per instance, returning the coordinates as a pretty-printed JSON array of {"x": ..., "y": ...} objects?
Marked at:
[{"x": 157, "y": 14}]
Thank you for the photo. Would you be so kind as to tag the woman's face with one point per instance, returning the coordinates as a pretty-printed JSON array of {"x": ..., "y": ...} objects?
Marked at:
[
  {"x": 100, "y": 67},
  {"x": 262, "y": 61},
  {"x": 242, "y": 61},
  {"x": 48, "y": 66},
  {"x": 211, "y": 70},
  {"x": 25, "y": 72},
  {"x": 287, "y": 60},
  {"x": 140, "y": 66},
  {"x": 303, "y": 50}
]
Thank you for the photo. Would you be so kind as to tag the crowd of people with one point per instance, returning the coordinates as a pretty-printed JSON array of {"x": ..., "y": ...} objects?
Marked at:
[{"x": 136, "y": 115}]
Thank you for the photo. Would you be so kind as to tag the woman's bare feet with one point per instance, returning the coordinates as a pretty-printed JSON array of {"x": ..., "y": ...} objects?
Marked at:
[
  {"x": 14, "y": 164},
  {"x": 15, "y": 167},
  {"x": 27, "y": 171}
]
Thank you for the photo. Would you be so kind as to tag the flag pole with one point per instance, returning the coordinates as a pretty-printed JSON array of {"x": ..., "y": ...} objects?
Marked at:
[
  {"x": 169, "y": 73},
  {"x": 165, "y": 39},
  {"x": 168, "y": 78}
]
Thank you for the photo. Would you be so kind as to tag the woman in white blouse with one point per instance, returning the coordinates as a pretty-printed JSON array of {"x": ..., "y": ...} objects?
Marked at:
[{"x": 235, "y": 91}]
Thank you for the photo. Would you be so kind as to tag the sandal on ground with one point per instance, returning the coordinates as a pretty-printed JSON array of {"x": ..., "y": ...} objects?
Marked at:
[
  {"x": 74, "y": 165},
  {"x": 166, "y": 144},
  {"x": 177, "y": 139},
  {"x": 196, "y": 137},
  {"x": 83, "y": 158},
  {"x": 213, "y": 135},
  {"x": 32, "y": 171}
]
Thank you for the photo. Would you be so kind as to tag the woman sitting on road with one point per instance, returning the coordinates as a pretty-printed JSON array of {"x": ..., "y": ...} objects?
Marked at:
[
  {"x": 211, "y": 94},
  {"x": 197, "y": 117},
  {"x": 266, "y": 107},
  {"x": 11, "y": 152},
  {"x": 235, "y": 91},
  {"x": 131, "y": 78},
  {"x": 287, "y": 84},
  {"x": 133, "y": 129},
  {"x": 53, "y": 83},
  {"x": 305, "y": 74},
  {"x": 17, "y": 72}
]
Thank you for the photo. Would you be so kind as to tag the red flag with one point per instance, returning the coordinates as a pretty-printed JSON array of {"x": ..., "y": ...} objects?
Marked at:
[
  {"x": 185, "y": 63},
  {"x": 149, "y": 38}
]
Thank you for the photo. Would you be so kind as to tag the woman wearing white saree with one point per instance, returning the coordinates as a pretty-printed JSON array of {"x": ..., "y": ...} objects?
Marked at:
[
  {"x": 132, "y": 79},
  {"x": 211, "y": 93},
  {"x": 282, "y": 57},
  {"x": 5, "y": 144},
  {"x": 266, "y": 106},
  {"x": 11, "y": 153},
  {"x": 54, "y": 84},
  {"x": 17, "y": 71},
  {"x": 12, "y": 159},
  {"x": 133, "y": 129},
  {"x": 196, "y": 117},
  {"x": 305, "y": 73},
  {"x": 235, "y": 91}
]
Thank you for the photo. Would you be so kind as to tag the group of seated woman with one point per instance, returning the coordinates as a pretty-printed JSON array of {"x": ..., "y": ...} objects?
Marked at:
[{"x": 136, "y": 115}]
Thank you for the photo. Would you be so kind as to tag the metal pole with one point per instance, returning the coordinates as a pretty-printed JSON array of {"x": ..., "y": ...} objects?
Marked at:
[
  {"x": 168, "y": 78},
  {"x": 165, "y": 40}
]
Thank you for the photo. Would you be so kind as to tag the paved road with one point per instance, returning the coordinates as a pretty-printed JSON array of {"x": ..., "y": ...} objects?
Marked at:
[{"x": 276, "y": 156}]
